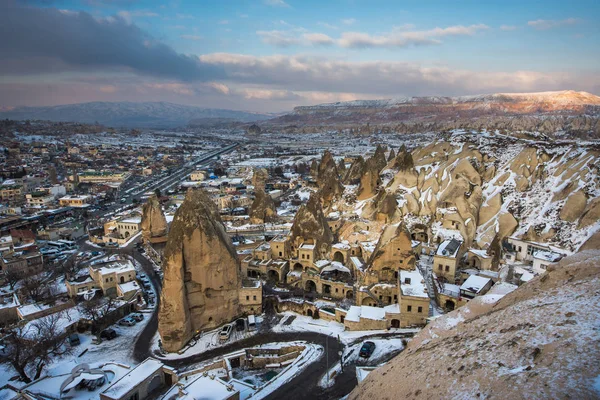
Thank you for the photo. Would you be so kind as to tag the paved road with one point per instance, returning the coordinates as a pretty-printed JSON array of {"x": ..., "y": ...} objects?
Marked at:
[{"x": 141, "y": 349}]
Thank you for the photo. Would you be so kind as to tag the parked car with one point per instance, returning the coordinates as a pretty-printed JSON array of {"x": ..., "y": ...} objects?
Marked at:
[
  {"x": 127, "y": 321},
  {"x": 74, "y": 339},
  {"x": 108, "y": 334},
  {"x": 225, "y": 332},
  {"x": 367, "y": 349},
  {"x": 137, "y": 316}
]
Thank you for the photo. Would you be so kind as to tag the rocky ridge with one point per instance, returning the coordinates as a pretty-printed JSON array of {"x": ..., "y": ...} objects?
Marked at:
[
  {"x": 537, "y": 342},
  {"x": 550, "y": 113}
]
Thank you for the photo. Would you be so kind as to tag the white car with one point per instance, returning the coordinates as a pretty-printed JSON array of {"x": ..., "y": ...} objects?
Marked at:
[{"x": 225, "y": 332}]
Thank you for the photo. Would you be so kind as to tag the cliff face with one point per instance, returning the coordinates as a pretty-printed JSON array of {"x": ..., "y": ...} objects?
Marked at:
[
  {"x": 154, "y": 223},
  {"x": 540, "y": 341},
  {"x": 201, "y": 273},
  {"x": 310, "y": 225},
  {"x": 577, "y": 113},
  {"x": 263, "y": 208},
  {"x": 259, "y": 178},
  {"x": 328, "y": 180}
]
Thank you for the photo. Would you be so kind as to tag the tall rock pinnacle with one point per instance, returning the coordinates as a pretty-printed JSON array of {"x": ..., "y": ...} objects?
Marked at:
[{"x": 201, "y": 281}]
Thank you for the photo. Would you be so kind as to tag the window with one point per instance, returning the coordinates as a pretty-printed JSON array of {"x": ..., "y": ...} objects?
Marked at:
[
  {"x": 303, "y": 256},
  {"x": 407, "y": 281},
  {"x": 308, "y": 256},
  {"x": 401, "y": 261},
  {"x": 380, "y": 297},
  {"x": 280, "y": 254},
  {"x": 447, "y": 268},
  {"x": 247, "y": 297},
  {"x": 336, "y": 290},
  {"x": 420, "y": 309},
  {"x": 253, "y": 297},
  {"x": 440, "y": 267},
  {"x": 409, "y": 308}
]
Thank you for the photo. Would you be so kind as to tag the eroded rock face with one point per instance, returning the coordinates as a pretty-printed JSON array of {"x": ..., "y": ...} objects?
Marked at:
[
  {"x": 154, "y": 223},
  {"x": 379, "y": 157},
  {"x": 310, "y": 225},
  {"x": 263, "y": 208},
  {"x": 392, "y": 155},
  {"x": 370, "y": 180},
  {"x": 259, "y": 178},
  {"x": 516, "y": 348},
  {"x": 328, "y": 179},
  {"x": 201, "y": 273},
  {"x": 404, "y": 160},
  {"x": 355, "y": 172}
]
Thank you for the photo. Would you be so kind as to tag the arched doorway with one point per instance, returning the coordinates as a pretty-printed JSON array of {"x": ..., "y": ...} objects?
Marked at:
[
  {"x": 127, "y": 234},
  {"x": 273, "y": 275},
  {"x": 449, "y": 305},
  {"x": 338, "y": 256},
  {"x": 367, "y": 301},
  {"x": 349, "y": 294},
  {"x": 122, "y": 279},
  {"x": 395, "y": 323},
  {"x": 298, "y": 267},
  {"x": 310, "y": 286},
  {"x": 309, "y": 312}
]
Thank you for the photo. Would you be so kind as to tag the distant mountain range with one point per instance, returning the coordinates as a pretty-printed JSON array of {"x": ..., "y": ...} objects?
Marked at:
[
  {"x": 547, "y": 112},
  {"x": 129, "y": 114}
]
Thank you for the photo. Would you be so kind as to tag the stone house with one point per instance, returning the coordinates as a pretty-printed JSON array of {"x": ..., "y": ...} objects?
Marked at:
[
  {"x": 251, "y": 297},
  {"x": 446, "y": 260}
]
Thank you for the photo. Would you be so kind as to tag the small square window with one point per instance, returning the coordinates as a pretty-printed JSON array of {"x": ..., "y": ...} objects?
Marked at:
[
  {"x": 420, "y": 309},
  {"x": 409, "y": 308}
]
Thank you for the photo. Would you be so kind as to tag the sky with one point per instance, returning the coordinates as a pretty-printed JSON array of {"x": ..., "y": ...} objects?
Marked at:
[{"x": 273, "y": 55}]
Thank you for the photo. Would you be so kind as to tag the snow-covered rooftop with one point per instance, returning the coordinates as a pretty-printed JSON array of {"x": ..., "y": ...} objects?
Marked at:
[
  {"x": 475, "y": 283},
  {"x": 412, "y": 284},
  {"x": 355, "y": 313},
  {"x": 133, "y": 378},
  {"x": 449, "y": 248}
]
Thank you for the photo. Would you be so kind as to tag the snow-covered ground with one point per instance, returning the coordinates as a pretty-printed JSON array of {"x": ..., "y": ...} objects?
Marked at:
[
  {"x": 303, "y": 323},
  {"x": 207, "y": 341}
]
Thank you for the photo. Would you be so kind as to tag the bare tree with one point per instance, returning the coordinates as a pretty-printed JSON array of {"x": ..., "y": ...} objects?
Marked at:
[
  {"x": 12, "y": 277},
  {"x": 97, "y": 308},
  {"x": 30, "y": 347},
  {"x": 35, "y": 288}
]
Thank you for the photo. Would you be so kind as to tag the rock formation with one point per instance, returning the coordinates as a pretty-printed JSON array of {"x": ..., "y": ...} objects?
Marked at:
[
  {"x": 392, "y": 155},
  {"x": 403, "y": 161},
  {"x": 341, "y": 167},
  {"x": 263, "y": 208},
  {"x": 310, "y": 226},
  {"x": 379, "y": 157},
  {"x": 576, "y": 113},
  {"x": 540, "y": 341},
  {"x": 328, "y": 180},
  {"x": 355, "y": 172},
  {"x": 259, "y": 178},
  {"x": 201, "y": 281},
  {"x": 370, "y": 180},
  {"x": 154, "y": 223},
  {"x": 314, "y": 168}
]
